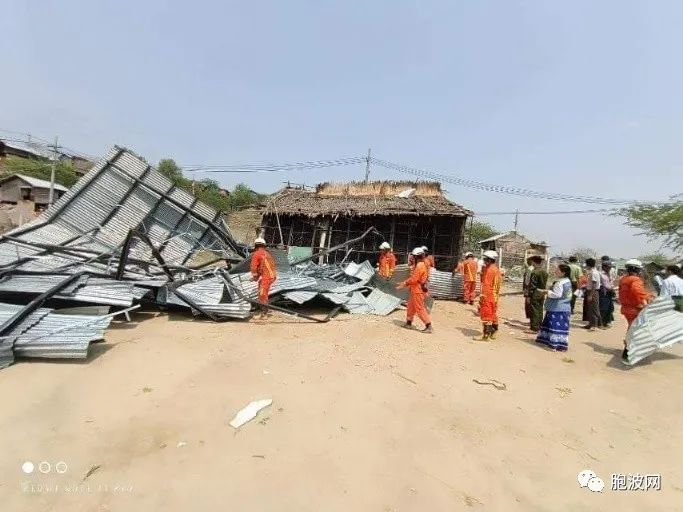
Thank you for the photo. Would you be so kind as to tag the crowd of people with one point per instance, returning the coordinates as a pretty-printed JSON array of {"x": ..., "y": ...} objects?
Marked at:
[
  {"x": 599, "y": 290},
  {"x": 549, "y": 303}
]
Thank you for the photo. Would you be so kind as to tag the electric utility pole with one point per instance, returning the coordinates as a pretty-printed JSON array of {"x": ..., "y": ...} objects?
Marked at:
[
  {"x": 516, "y": 219},
  {"x": 367, "y": 165},
  {"x": 52, "y": 172}
]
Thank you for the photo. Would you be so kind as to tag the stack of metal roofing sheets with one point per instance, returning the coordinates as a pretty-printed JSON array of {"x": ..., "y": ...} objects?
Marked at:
[{"x": 45, "y": 333}]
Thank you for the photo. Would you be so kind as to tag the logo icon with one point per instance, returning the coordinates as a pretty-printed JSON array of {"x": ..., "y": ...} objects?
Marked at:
[{"x": 588, "y": 478}]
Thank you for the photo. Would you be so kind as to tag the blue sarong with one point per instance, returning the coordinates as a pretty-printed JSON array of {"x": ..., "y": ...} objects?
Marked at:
[{"x": 555, "y": 330}]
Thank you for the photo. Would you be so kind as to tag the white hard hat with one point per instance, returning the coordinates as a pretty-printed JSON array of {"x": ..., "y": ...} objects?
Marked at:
[
  {"x": 259, "y": 240},
  {"x": 634, "y": 263},
  {"x": 468, "y": 254},
  {"x": 384, "y": 245},
  {"x": 492, "y": 255},
  {"x": 425, "y": 248},
  {"x": 418, "y": 251}
]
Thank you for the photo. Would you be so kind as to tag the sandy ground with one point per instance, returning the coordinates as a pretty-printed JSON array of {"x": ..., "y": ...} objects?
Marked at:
[{"x": 365, "y": 416}]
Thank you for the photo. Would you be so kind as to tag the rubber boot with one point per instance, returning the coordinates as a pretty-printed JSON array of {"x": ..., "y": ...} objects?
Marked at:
[
  {"x": 408, "y": 324},
  {"x": 486, "y": 333},
  {"x": 428, "y": 329}
]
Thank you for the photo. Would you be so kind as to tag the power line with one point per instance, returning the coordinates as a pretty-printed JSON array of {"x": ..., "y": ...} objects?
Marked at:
[
  {"x": 252, "y": 168},
  {"x": 502, "y": 189},
  {"x": 561, "y": 212}
]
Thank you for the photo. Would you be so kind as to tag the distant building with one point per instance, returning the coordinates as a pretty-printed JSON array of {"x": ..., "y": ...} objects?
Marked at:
[
  {"x": 514, "y": 248},
  {"x": 406, "y": 214},
  {"x": 35, "y": 151},
  {"x": 18, "y": 188}
]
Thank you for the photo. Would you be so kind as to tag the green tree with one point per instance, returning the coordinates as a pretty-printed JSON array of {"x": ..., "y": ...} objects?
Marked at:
[
  {"x": 209, "y": 191},
  {"x": 476, "y": 232},
  {"x": 662, "y": 221},
  {"x": 242, "y": 196},
  {"x": 656, "y": 257},
  {"x": 583, "y": 253},
  {"x": 171, "y": 170},
  {"x": 42, "y": 169}
]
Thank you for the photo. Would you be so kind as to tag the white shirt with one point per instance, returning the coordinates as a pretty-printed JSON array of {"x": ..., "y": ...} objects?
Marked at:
[
  {"x": 673, "y": 285},
  {"x": 557, "y": 291},
  {"x": 593, "y": 280}
]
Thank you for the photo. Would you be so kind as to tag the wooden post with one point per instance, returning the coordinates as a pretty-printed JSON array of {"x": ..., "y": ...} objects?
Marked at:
[
  {"x": 323, "y": 239},
  {"x": 392, "y": 232}
]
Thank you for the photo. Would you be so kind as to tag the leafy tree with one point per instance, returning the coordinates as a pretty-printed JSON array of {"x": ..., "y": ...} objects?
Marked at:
[
  {"x": 209, "y": 191},
  {"x": 663, "y": 221},
  {"x": 476, "y": 232},
  {"x": 42, "y": 169},
  {"x": 242, "y": 196},
  {"x": 170, "y": 169},
  {"x": 657, "y": 257},
  {"x": 583, "y": 253}
]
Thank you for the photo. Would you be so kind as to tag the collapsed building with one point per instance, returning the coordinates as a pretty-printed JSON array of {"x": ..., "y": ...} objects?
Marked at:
[{"x": 125, "y": 236}]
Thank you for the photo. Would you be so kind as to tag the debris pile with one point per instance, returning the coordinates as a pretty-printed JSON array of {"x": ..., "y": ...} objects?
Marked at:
[
  {"x": 124, "y": 235},
  {"x": 117, "y": 237}
]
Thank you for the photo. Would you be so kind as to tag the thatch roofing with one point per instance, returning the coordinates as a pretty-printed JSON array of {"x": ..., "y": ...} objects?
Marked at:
[{"x": 361, "y": 199}]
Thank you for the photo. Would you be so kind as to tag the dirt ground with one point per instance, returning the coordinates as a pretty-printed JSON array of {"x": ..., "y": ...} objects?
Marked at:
[{"x": 365, "y": 416}]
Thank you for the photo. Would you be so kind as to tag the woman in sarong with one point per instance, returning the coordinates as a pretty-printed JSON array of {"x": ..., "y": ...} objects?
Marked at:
[{"x": 554, "y": 331}]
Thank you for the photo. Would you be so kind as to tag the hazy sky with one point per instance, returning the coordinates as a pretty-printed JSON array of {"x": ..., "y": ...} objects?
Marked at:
[{"x": 578, "y": 97}]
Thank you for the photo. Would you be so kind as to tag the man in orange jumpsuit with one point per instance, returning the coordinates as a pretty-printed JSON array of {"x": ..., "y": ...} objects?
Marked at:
[
  {"x": 263, "y": 270},
  {"x": 429, "y": 259},
  {"x": 387, "y": 261},
  {"x": 632, "y": 295},
  {"x": 417, "y": 284},
  {"x": 490, "y": 290},
  {"x": 468, "y": 269}
]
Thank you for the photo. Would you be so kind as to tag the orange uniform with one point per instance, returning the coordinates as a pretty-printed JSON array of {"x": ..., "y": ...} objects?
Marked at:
[
  {"x": 387, "y": 264},
  {"x": 468, "y": 269},
  {"x": 490, "y": 290},
  {"x": 632, "y": 297},
  {"x": 416, "y": 301},
  {"x": 263, "y": 268},
  {"x": 429, "y": 261}
]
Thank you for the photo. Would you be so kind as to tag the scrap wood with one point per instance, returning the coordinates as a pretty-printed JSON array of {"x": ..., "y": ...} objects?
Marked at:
[{"x": 501, "y": 386}]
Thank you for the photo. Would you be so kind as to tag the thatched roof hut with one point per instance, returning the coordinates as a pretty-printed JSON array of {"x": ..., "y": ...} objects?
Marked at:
[
  {"x": 406, "y": 213},
  {"x": 362, "y": 199}
]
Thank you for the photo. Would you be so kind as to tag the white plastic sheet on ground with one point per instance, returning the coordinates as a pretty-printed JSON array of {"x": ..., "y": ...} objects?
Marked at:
[
  {"x": 249, "y": 412},
  {"x": 658, "y": 326}
]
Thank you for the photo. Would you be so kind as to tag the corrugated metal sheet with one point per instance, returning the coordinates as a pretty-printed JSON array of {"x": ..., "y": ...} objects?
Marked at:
[
  {"x": 300, "y": 296},
  {"x": 658, "y": 326},
  {"x": 382, "y": 303}
]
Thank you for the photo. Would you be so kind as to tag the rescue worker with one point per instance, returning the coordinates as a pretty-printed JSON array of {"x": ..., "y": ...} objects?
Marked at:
[
  {"x": 488, "y": 301},
  {"x": 263, "y": 270},
  {"x": 417, "y": 285},
  {"x": 468, "y": 269},
  {"x": 633, "y": 296},
  {"x": 387, "y": 261},
  {"x": 429, "y": 259}
]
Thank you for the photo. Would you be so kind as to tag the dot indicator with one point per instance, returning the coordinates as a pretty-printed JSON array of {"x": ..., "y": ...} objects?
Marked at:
[{"x": 27, "y": 467}]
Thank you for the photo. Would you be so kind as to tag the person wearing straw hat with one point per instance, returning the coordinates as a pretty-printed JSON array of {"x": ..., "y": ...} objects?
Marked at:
[
  {"x": 263, "y": 270},
  {"x": 417, "y": 285},
  {"x": 387, "y": 261},
  {"x": 488, "y": 301}
]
